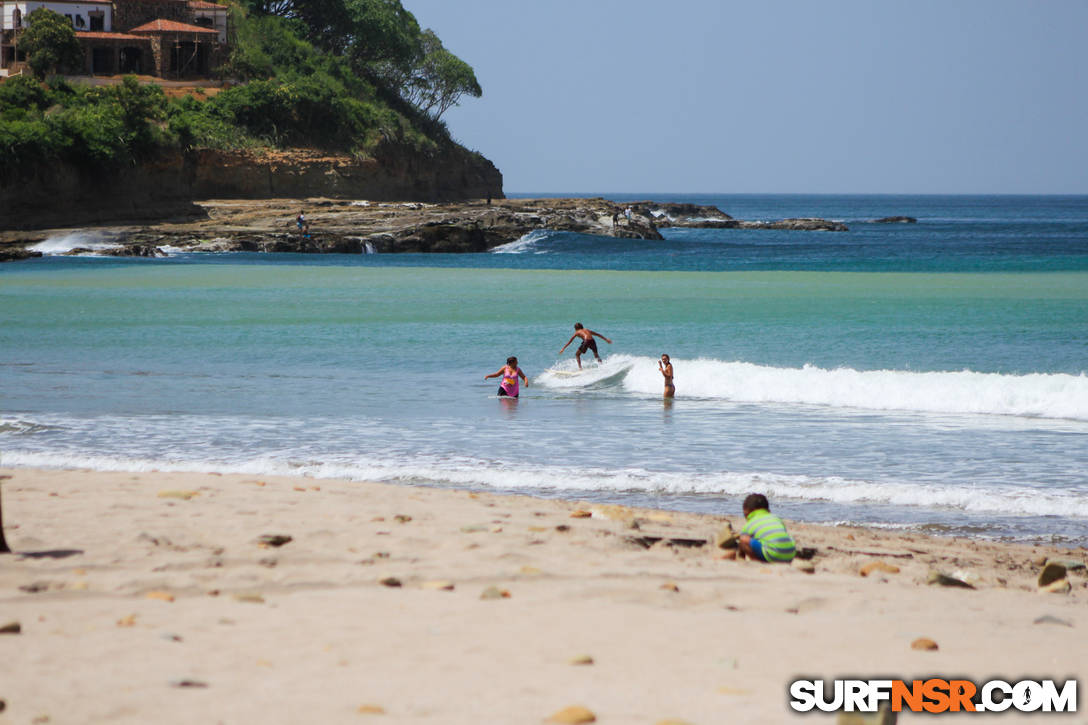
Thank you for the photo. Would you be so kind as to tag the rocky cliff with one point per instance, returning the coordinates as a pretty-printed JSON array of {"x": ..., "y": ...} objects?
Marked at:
[{"x": 165, "y": 187}]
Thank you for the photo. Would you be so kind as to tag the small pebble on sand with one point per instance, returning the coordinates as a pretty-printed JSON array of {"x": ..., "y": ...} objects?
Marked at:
[
  {"x": 573, "y": 715},
  {"x": 880, "y": 566}
]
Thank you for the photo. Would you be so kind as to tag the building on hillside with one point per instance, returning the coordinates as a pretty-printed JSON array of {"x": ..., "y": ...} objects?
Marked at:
[{"x": 172, "y": 39}]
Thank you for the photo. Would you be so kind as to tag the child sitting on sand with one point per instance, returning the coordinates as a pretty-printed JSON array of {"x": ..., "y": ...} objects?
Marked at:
[{"x": 764, "y": 536}]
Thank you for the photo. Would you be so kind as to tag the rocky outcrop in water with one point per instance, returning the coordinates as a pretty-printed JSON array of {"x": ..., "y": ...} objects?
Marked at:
[
  {"x": 683, "y": 215},
  {"x": 16, "y": 253},
  {"x": 711, "y": 217},
  {"x": 896, "y": 220},
  {"x": 339, "y": 226},
  {"x": 124, "y": 250},
  {"x": 810, "y": 224},
  {"x": 354, "y": 227}
]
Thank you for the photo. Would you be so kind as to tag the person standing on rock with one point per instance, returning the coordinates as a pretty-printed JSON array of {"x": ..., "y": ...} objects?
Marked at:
[
  {"x": 588, "y": 343},
  {"x": 301, "y": 223}
]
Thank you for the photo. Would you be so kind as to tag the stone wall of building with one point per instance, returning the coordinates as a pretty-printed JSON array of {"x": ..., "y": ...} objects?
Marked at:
[{"x": 129, "y": 14}]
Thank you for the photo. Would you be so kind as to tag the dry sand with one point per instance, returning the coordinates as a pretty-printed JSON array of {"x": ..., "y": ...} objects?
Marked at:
[{"x": 171, "y": 612}]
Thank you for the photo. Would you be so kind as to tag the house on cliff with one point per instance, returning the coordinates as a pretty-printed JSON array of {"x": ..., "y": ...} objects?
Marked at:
[{"x": 170, "y": 39}]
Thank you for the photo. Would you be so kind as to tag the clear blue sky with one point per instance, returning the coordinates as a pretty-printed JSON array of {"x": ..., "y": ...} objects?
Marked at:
[{"x": 867, "y": 96}]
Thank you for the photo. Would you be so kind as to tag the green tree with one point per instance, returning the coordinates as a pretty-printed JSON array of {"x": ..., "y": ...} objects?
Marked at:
[
  {"x": 440, "y": 79},
  {"x": 141, "y": 107},
  {"x": 50, "y": 44},
  {"x": 22, "y": 93},
  {"x": 329, "y": 23},
  {"x": 367, "y": 31},
  {"x": 383, "y": 36},
  {"x": 138, "y": 102}
]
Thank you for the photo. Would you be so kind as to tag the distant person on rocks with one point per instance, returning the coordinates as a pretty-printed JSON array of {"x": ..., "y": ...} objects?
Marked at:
[
  {"x": 303, "y": 225},
  {"x": 615, "y": 219},
  {"x": 627, "y": 213},
  {"x": 588, "y": 343},
  {"x": 665, "y": 366},
  {"x": 510, "y": 372},
  {"x": 764, "y": 536}
]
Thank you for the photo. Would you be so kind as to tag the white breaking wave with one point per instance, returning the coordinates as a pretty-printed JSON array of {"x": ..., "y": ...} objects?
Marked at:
[
  {"x": 73, "y": 240},
  {"x": 474, "y": 473},
  {"x": 567, "y": 376},
  {"x": 526, "y": 243},
  {"x": 1037, "y": 395}
]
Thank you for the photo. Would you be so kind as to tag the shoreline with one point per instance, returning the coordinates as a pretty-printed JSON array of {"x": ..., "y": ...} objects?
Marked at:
[
  {"x": 969, "y": 527},
  {"x": 173, "y": 612}
]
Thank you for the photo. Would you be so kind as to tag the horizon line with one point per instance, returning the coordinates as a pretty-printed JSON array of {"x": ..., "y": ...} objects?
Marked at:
[{"x": 590, "y": 194}]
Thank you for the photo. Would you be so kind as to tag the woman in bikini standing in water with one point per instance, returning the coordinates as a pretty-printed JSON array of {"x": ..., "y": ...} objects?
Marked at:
[{"x": 665, "y": 366}]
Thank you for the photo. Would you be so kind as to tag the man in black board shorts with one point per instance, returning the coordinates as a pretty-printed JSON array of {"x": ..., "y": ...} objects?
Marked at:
[{"x": 588, "y": 343}]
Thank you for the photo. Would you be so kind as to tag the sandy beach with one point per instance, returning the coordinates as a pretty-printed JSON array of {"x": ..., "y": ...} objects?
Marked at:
[{"x": 150, "y": 597}]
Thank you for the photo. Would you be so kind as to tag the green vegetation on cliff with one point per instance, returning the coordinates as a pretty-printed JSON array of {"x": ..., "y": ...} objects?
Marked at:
[
  {"x": 352, "y": 76},
  {"x": 50, "y": 43}
]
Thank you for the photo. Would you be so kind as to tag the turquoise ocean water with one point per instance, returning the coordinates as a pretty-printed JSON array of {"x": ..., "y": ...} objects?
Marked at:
[{"x": 927, "y": 376}]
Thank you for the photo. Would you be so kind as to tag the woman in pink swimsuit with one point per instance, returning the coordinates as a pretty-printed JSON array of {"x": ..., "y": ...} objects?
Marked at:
[{"x": 510, "y": 372}]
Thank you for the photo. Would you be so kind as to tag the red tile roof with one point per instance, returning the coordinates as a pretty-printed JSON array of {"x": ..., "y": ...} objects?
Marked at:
[
  {"x": 171, "y": 26},
  {"x": 99, "y": 35}
]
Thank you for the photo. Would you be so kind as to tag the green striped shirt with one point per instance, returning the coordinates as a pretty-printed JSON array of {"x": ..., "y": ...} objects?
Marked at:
[{"x": 769, "y": 531}]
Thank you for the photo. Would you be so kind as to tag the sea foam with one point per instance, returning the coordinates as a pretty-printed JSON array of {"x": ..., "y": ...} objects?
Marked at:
[
  {"x": 61, "y": 243},
  {"x": 1037, "y": 395},
  {"x": 525, "y": 243},
  {"x": 583, "y": 480}
]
